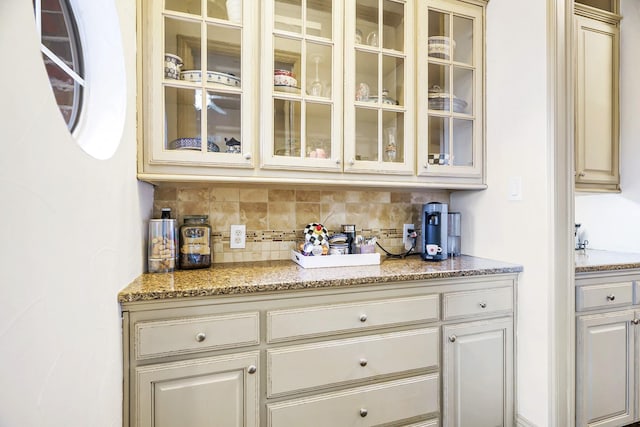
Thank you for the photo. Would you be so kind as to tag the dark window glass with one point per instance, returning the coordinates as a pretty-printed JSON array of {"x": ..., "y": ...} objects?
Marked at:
[{"x": 62, "y": 55}]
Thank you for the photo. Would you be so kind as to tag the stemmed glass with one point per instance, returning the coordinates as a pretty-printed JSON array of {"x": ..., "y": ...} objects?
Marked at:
[{"x": 315, "y": 89}]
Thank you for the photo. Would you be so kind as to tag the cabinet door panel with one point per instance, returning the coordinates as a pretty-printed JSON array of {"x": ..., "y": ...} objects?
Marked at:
[
  {"x": 477, "y": 374},
  {"x": 605, "y": 369},
  {"x": 597, "y": 102},
  {"x": 215, "y": 391}
]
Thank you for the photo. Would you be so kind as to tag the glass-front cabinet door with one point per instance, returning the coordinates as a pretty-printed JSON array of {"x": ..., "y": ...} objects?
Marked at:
[
  {"x": 450, "y": 89},
  {"x": 301, "y": 85},
  {"x": 199, "y": 80},
  {"x": 379, "y": 100}
]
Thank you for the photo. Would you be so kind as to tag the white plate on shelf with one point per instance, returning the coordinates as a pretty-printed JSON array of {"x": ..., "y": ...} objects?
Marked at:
[{"x": 285, "y": 88}]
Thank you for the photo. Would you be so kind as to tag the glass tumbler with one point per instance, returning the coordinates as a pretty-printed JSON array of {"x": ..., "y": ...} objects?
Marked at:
[{"x": 453, "y": 234}]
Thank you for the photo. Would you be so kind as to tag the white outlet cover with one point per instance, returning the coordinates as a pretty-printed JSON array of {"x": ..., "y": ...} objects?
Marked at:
[{"x": 238, "y": 236}]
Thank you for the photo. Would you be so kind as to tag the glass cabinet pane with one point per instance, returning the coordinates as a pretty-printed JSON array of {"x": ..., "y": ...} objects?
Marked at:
[
  {"x": 224, "y": 122},
  {"x": 367, "y": 22},
  {"x": 319, "y": 67},
  {"x": 392, "y": 80},
  {"x": 217, "y": 9},
  {"x": 439, "y": 42},
  {"x": 463, "y": 37},
  {"x": 182, "y": 38},
  {"x": 462, "y": 142},
  {"x": 366, "y": 134},
  {"x": 186, "y": 6},
  {"x": 286, "y": 65},
  {"x": 318, "y": 22},
  {"x": 223, "y": 56},
  {"x": 393, "y": 25},
  {"x": 182, "y": 118},
  {"x": 462, "y": 90},
  {"x": 366, "y": 76},
  {"x": 393, "y": 136},
  {"x": 438, "y": 140},
  {"x": 286, "y": 129},
  {"x": 318, "y": 123},
  {"x": 288, "y": 15}
]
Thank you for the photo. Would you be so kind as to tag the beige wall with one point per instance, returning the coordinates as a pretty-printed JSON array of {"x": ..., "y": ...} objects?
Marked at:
[{"x": 276, "y": 216}]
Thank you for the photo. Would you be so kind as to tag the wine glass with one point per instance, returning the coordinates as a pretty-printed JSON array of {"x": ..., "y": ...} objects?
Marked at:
[{"x": 315, "y": 89}]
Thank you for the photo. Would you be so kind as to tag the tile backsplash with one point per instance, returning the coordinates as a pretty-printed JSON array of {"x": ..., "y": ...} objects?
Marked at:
[{"x": 275, "y": 216}]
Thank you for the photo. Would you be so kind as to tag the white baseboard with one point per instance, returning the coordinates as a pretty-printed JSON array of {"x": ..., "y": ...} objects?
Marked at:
[{"x": 523, "y": 422}]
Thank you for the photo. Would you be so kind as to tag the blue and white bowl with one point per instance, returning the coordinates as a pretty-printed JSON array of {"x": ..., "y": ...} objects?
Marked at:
[{"x": 192, "y": 144}]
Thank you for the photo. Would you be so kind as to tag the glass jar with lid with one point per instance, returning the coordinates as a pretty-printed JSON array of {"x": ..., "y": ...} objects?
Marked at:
[{"x": 195, "y": 242}]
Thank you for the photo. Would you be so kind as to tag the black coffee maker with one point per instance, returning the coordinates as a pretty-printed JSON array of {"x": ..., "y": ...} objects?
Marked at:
[{"x": 434, "y": 231}]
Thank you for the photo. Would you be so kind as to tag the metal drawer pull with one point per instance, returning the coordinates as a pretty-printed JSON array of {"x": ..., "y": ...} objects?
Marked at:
[
  {"x": 363, "y": 318},
  {"x": 363, "y": 362},
  {"x": 483, "y": 305},
  {"x": 363, "y": 412},
  {"x": 635, "y": 321},
  {"x": 201, "y": 337},
  {"x": 453, "y": 338},
  {"x": 611, "y": 297},
  {"x": 252, "y": 369}
]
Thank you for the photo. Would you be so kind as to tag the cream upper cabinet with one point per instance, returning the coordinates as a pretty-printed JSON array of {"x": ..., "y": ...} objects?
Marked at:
[
  {"x": 210, "y": 100},
  {"x": 379, "y": 100},
  {"x": 597, "y": 100},
  {"x": 365, "y": 92},
  {"x": 450, "y": 89}
]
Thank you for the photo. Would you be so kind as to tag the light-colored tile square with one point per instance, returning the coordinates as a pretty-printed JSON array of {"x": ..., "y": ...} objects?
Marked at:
[
  {"x": 254, "y": 195},
  {"x": 282, "y": 215}
]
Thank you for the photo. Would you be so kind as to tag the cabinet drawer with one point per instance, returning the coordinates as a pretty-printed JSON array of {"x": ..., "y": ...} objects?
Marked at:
[
  {"x": 604, "y": 295},
  {"x": 320, "y": 364},
  {"x": 327, "y": 319},
  {"x": 364, "y": 406},
  {"x": 480, "y": 302},
  {"x": 195, "y": 334}
]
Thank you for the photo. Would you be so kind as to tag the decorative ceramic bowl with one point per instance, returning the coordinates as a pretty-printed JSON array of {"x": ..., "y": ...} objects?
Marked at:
[
  {"x": 192, "y": 144},
  {"x": 284, "y": 80},
  {"x": 441, "y": 47},
  {"x": 172, "y": 64},
  {"x": 215, "y": 77}
]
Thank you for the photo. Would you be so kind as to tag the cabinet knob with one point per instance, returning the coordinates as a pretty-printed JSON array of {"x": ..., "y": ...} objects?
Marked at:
[
  {"x": 453, "y": 338},
  {"x": 363, "y": 362},
  {"x": 252, "y": 369},
  {"x": 247, "y": 156},
  {"x": 483, "y": 305},
  {"x": 363, "y": 412},
  {"x": 426, "y": 165},
  {"x": 337, "y": 161},
  {"x": 611, "y": 297},
  {"x": 363, "y": 318},
  {"x": 352, "y": 162},
  {"x": 201, "y": 337},
  {"x": 635, "y": 321},
  {"x": 581, "y": 174}
]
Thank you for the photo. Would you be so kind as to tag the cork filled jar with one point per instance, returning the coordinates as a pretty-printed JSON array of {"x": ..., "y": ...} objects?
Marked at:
[{"x": 195, "y": 242}]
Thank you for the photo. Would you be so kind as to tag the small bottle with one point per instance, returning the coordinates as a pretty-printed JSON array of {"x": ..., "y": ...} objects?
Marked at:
[
  {"x": 195, "y": 242},
  {"x": 165, "y": 213}
]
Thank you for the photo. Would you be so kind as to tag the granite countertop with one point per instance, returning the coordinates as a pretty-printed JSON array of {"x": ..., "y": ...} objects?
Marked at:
[
  {"x": 600, "y": 260},
  {"x": 264, "y": 276}
]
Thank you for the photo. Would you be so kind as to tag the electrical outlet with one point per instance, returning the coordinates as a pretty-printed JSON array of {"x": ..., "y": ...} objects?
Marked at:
[
  {"x": 238, "y": 236},
  {"x": 405, "y": 234}
]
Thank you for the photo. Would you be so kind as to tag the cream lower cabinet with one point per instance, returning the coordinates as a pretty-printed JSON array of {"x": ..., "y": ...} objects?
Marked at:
[
  {"x": 606, "y": 350},
  {"x": 375, "y": 355},
  {"x": 477, "y": 372}
]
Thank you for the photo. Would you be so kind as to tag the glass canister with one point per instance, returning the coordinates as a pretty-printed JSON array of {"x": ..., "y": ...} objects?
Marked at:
[
  {"x": 163, "y": 245},
  {"x": 195, "y": 242}
]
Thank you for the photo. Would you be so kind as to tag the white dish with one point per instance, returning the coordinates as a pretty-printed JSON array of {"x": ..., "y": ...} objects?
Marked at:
[
  {"x": 285, "y": 88},
  {"x": 212, "y": 77}
]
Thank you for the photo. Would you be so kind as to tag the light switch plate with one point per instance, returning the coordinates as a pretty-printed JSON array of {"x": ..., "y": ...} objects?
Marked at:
[
  {"x": 238, "y": 236},
  {"x": 514, "y": 188}
]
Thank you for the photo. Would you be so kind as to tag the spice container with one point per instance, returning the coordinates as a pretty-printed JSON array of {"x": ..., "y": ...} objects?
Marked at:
[
  {"x": 163, "y": 244},
  {"x": 195, "y": 242}
]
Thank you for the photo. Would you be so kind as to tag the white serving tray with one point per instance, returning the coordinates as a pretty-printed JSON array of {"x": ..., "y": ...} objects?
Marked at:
[{"x": 334, "y": 260}]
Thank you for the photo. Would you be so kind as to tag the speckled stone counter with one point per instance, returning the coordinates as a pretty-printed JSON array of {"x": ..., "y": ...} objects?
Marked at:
[
  {"x": 265, "y": 276},
  {"x": 598, "y": 260}
]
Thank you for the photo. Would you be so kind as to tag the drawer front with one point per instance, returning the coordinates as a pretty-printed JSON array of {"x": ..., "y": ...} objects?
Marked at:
[
  {"x": 328, "y": 319},
  {"x": 480, "y": 302},
  {"x": 364, "y": 406},
  {"x": 195, "y": 334},
  {"x": 321, "y": 364},
  {"x": 604, "y": 295}
]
